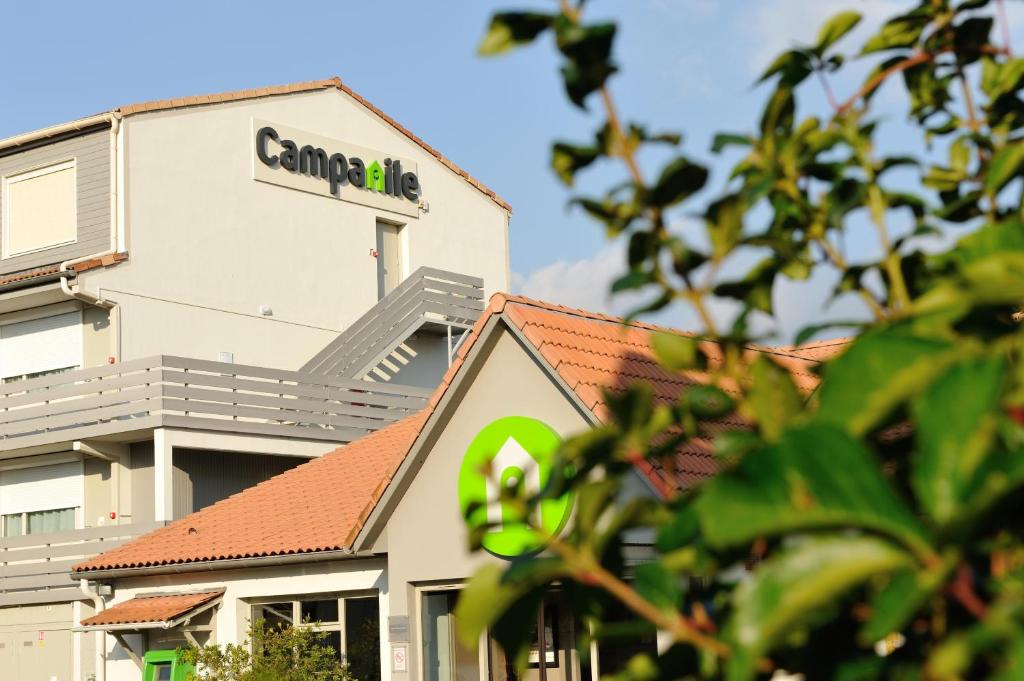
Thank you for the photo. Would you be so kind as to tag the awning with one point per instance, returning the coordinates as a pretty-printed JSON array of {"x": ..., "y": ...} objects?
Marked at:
[{"x": 156, "y": 611}]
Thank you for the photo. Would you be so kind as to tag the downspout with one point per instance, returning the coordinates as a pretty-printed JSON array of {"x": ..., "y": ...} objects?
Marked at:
[
  {"x": 101, "y": 638},
  {"x": 77, "y": 291}
]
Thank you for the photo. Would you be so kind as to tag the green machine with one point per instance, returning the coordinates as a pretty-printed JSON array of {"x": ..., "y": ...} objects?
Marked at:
[{"x": 164, "y": 665}]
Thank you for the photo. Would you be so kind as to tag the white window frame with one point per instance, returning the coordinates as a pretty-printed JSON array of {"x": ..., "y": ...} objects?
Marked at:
[
  {"x": 21, "y": 176},
  {"x": 323, "y": 627}
]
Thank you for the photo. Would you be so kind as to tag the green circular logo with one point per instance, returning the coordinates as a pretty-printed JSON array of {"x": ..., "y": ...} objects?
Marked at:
[{"x": 510, "y": 453}]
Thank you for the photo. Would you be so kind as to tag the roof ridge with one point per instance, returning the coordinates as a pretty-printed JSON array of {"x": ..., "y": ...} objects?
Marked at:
[{"x": 292, "y": 88}]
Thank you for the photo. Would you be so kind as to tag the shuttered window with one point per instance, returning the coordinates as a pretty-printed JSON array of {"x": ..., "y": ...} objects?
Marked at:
[
  {"x": 39, "y": 209},
  {"x": 40, "y": 346},
  {"x": 40, "y": 499}
]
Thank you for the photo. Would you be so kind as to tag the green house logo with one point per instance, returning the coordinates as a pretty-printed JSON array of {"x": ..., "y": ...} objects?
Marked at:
[{"x": 512, "y": 452}]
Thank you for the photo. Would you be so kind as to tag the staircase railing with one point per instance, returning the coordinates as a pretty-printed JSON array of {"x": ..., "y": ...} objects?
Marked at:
[{"x": 428, "y": 295}]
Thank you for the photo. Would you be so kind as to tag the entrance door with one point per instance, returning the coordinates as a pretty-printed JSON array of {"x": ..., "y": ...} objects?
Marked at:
[
  {"x": 389, "y": 258},
  {"x": 446, "y": 659}
]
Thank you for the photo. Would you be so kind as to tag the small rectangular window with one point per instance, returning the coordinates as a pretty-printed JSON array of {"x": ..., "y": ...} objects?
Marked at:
[
  {"x": 12, "y": 525},
  {"x": 41, "y": 522},
  {"x": 39, "y": 209}
]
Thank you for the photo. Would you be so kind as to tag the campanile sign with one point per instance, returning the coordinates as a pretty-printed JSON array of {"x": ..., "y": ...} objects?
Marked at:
[{"x": 303, "y": 160}]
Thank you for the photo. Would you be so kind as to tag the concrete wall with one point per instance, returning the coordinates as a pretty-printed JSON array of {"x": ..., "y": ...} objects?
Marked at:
[
  {"x": 209, "y": 245},
  {"x": 230, "y": 621},
  {"x": 37, "y": 644},
  {"x": 426, "y": 536}
]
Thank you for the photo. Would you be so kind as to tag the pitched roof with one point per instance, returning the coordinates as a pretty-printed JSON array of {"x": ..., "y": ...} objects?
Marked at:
[
  {"x": 308, "y": 86},
  {"x": 273, "y": 518},
  {"x": 151, "y": 609},
  {"x": 589, "y": 353}
]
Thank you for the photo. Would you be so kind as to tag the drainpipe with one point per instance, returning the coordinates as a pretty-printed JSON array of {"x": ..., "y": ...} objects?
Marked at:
[
  {"x": 77, "y": 291},
  {"x": 101, "y": 637}
]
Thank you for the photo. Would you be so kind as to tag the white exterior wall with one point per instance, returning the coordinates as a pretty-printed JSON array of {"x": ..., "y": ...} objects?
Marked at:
[
  {"x": 208, "y": 244},
  {"x": 230, "y": 620}
]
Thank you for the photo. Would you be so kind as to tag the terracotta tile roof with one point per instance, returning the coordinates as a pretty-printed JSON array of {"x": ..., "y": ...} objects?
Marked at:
[
  {"x": 593, "y": 353},
  {"x": 151, "y": 609},
  {"x": 308, "y": 86},
  {"x": 590, "y": 352},
  {"x": 36, "y": 272},
  {"x": 274, "y": 518}
]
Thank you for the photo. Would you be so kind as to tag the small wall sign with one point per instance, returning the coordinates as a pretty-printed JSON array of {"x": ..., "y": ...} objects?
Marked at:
[{"x": 400, "y": 658}]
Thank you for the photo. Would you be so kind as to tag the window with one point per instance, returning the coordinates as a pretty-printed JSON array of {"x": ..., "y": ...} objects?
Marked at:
[
  {"x": 40, "y": 499},
  {"x": 351, "y": 625},
  {"x": 38, "y": 522},
  {"x": 38, "y": 347},
  {"x": 39, "y": 209}
]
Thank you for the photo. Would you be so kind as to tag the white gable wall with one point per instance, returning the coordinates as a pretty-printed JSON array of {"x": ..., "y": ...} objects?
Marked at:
[
  {"x": 426, "y": 534},
  {"x": 208, "y": 244}
]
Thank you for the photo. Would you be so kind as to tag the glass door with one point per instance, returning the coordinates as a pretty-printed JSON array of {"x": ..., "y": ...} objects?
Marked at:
[{"x": 444, "y": 657}]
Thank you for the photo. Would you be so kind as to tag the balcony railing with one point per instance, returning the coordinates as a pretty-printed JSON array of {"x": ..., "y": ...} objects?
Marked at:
[
  {"x": 427, "y": 296},
  {"x": 167, "y": 391},
  {"x": 36, "y": 568}
]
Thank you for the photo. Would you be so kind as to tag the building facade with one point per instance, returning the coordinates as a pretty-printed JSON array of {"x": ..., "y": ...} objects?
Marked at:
[
  {"x": 198, "y": 294},
  {"x": 378, "y": 548}
]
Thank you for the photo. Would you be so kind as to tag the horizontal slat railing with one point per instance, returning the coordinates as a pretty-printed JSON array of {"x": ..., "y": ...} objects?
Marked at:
[
  {"x": 36, "y": 568},
  {"x": 427, "y": 295},
  {"x": 185, "y": 392}
]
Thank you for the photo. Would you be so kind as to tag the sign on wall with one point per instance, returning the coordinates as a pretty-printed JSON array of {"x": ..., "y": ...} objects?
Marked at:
[
  {"x": 303, "y": 160},
  {"x": 510, "y": 453}
]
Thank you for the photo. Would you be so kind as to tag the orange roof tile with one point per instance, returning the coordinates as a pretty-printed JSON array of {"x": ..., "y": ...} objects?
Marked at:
[
  {"x": 273, "y": 518},
  {"x": 592, "y": 353},
  {"x": 309, "y": 86},
  {"x": 151, "y": 609}
]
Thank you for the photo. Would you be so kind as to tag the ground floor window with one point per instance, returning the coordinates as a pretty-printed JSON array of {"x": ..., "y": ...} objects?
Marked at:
[{"x": 351, "y": 624}]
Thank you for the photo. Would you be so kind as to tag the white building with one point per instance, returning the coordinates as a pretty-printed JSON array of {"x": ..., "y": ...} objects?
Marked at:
[{"x": 197, "y": 294}]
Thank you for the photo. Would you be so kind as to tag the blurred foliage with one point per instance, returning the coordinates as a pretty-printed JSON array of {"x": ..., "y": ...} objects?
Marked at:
[{"x": 875, "y": 522}]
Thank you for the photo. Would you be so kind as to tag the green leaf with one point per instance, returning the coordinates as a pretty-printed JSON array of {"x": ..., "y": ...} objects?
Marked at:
[
  {"x": 632, "y": 280},
  {"x": 724, "y": 220},
  {"x": 1005, "y": 166},
  {"x": 676, "y": 352},
  {"x": 772, "y": 401},
  {"x": 835, "y": 28},
  {"x": 658, "y": 585},
  {"x": 678, "y": 180},
  {"x": 898, "y": 601},
  {"x": 504, "y": 601},
  {"x": 708, "y": 401},
  {"x": 568, "y": 159},
  {"x": 587, "y": 50},
  {"x": 903, "y": 31},
  {"x": 509, "y": 30},
  {"x": 814, "y": 477},
  {"x": 723, "y": 140},
  {"x": 877, "y": 373},
  {"x": 789, "y": 589},
  {"x": 954, "y": 434}
]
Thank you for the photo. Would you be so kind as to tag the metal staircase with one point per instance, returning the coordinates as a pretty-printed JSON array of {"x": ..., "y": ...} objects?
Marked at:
[{"x": 377, "y": 345}]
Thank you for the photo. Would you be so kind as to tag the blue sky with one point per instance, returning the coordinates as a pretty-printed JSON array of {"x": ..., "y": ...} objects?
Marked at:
[{"x": 688, "y": 65}]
